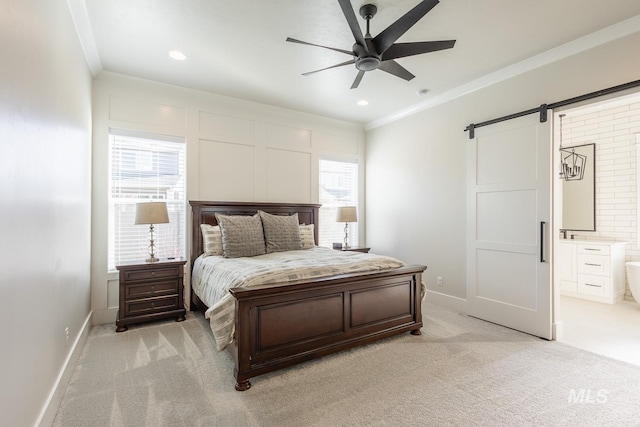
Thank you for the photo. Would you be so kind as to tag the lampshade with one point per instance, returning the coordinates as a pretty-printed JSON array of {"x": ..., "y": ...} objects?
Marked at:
[
  {"x": 346, "y": 214},
  {"x": 151, "y": 213}
]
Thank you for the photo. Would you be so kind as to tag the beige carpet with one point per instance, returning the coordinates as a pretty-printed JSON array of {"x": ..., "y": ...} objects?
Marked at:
[{"x": 460, "y": 372}]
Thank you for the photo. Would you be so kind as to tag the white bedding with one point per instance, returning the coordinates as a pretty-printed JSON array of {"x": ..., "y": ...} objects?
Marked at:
[{"x": 213, "y": 276}]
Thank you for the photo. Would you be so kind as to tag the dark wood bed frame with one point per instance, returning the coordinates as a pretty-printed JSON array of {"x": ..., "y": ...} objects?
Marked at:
[{"x": 280, "y": 326}]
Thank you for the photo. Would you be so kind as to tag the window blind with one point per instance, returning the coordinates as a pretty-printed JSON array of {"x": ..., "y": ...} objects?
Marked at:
[
  {"x": 338, "y": 187},
  {"x": 145, "y": 167}
]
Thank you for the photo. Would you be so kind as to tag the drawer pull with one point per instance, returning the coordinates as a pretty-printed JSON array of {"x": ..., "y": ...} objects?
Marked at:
[
  {"x": 153, "y": 304},
  {"x": 153, "y": 273},
  {"x": 591, "y": 249},
  {"x": 593, "y": 265},
  {"x": 591, "y": 284},
  {"x": 153, "y": 288}
]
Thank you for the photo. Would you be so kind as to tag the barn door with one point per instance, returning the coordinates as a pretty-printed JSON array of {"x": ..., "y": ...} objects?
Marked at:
[{"x": 509, "y": 225}]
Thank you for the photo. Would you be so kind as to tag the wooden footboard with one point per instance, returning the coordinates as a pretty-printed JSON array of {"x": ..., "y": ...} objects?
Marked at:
[{"x": 280, "y": 326}]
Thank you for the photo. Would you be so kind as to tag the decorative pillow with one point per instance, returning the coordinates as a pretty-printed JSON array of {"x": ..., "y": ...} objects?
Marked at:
[
  {"x": 306, "y": 236},
  {"x": 242, "y": 235},
  {"x": 212, "y": 239},
  {"x": 281, "y": 232}
]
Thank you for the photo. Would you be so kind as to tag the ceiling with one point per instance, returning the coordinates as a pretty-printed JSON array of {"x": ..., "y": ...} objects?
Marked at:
[{"x": 237, "y": 48}]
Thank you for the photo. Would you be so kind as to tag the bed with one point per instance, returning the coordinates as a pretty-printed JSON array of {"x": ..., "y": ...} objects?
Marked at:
[{"x": 295, "y": 321}]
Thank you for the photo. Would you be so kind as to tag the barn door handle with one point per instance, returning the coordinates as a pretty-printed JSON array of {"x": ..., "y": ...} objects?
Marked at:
[{"x": 542, "y": 223}]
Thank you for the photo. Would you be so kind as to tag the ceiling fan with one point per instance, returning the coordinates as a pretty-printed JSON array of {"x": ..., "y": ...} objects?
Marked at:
[{"x": 379, "y": 52}]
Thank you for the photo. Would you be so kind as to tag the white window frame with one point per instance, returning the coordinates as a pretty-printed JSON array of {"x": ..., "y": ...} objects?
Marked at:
[
  {"x": 170, "y": 239},
  {"x": 331, "y": 231}
]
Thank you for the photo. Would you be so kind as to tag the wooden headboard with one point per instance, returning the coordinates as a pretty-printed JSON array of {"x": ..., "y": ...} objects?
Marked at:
[{"x": 205, "y": 213}]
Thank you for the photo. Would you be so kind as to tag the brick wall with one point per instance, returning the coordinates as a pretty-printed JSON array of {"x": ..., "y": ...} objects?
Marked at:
[{"x": 614, "y": 130}]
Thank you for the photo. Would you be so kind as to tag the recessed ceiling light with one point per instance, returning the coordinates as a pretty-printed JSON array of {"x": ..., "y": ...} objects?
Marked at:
[
  {"x": 363, "y": 102},
  {"x": 177, "y": 55}
]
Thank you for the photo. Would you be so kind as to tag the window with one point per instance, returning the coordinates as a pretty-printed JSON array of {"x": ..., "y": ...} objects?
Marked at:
[
  {"x": 145, "y": 167},
  {"x": 338, "y": 187}
]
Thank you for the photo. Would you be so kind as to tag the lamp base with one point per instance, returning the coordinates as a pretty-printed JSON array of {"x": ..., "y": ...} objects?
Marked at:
[
  {"x": 346, "y": 236},
  {"x": 152, "y": 247}
]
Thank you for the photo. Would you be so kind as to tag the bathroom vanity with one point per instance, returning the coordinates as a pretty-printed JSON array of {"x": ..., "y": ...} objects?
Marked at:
[{"x": 591, "y": 270}]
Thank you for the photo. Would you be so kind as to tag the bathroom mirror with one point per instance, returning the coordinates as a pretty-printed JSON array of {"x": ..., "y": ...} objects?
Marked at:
[{"x": 579, "y": 195}]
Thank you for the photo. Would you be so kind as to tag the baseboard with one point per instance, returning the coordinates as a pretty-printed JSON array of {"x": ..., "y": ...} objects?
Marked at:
[
  {"x": 557, "y": 330},
  {"x": 105, "y": 315},
  {"x": 50, "y": 408},
  {"x": 456, "y": 304}
]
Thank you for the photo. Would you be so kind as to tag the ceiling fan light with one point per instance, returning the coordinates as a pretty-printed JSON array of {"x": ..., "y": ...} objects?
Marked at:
[{"x": 367, "y": 63}]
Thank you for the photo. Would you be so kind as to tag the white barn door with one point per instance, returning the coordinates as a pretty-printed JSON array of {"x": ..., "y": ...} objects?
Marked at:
[{"x": 509, "y": 225}]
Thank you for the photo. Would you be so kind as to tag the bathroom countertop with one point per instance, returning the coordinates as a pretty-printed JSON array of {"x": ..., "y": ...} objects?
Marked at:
[{"x": 592, "y": 242}]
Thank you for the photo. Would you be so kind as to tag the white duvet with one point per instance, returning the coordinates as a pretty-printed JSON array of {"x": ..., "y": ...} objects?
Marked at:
[{"x": 213, "y": 276}]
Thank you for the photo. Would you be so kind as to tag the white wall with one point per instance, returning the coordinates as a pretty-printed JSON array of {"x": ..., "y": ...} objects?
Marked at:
[
  {"x": 236, "y": 151},
  {"x": 45, "y": 153},
  {"x": 613, "y": 129},
  {"x": 416, "y": 194}
]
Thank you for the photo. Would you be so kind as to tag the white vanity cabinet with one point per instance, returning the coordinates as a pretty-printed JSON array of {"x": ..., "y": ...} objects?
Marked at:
[
  {"x": 591, "y": 270},
  {"x": 566, "y": 267}
]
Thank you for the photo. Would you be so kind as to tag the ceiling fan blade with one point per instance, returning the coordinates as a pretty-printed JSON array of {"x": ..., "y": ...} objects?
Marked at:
[
  {"x": 392, "y": 67},
  {"x": 352, "y": 20},
  {"x": 401, "y": 50},
  {"x": 385, "y": 39},
  {"x": 328, "y": 68},
  {"x": 289, "y": 39},
  {"x": 356, "y": 82}
]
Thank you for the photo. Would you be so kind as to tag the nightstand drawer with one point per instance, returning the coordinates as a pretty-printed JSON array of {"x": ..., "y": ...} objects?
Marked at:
[
  {"x": 151, "y": 305},
  {"x": 156, "y": 273},
  {"x": 145, "y": 290}
]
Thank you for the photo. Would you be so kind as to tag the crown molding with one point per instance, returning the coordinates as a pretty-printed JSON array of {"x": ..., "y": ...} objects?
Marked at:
[
  {"x": 597, "y": 38},
  {"x": 80, "y": 16}
]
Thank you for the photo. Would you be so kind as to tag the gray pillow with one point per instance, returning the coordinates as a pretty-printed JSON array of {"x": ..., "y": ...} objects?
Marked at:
[
  {"x": 281, "y": 233},
  {"x": 242, "y": 235}
]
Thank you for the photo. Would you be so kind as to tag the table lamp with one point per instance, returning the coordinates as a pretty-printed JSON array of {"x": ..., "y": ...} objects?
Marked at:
[
  {"x": 346, "y": 214},
  {"x": 151, "y": 213}
]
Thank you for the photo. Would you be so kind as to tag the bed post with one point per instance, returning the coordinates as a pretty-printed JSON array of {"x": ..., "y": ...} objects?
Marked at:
[
  {"x": 417, "y": 286},
  {"x": 241, "y": 347}
]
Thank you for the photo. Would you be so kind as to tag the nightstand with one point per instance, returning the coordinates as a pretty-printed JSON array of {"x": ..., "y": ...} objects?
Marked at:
[
  {"x": 150, "y": 291},
  {"x": 356, "y": 249}
]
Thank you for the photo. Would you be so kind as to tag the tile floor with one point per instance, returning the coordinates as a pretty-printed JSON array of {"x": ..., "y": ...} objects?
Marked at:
[{"x": 612, "y": 330}]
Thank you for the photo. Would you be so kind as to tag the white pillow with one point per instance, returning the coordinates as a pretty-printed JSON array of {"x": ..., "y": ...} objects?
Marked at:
[
  {"x": 306, "y": 236},
  {"x": 212, "y": 239}
]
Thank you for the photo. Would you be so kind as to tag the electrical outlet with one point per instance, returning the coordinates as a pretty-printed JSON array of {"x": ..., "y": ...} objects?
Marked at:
[
  {"x": 440, "y": 281},
  {"x": 66, "y": 334}
]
